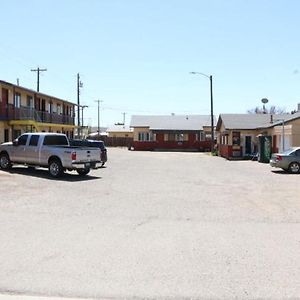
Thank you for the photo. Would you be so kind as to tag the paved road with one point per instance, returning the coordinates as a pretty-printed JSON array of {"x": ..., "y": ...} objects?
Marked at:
[{"x": 152, "y": 225}]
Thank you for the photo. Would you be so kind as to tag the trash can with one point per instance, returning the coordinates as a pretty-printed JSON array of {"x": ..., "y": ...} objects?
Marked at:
[{"x": 265, "y": 149}]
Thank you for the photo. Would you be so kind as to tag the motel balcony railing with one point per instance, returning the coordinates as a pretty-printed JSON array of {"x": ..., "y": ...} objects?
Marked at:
[{"x": 10, "y": 113}]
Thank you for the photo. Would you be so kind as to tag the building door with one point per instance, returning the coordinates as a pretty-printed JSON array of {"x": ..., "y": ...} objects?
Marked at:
[
  {"x": 6, "y": 135},
  {"x": 248, "y": 143},
  {"x": 160, "y": 138},
  {"x": 43, "y": 108},
  {"x": 4, "y": 106}
]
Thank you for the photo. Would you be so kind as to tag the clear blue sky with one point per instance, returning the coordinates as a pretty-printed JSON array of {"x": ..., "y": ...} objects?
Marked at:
[{"x": 136, "y": 55}]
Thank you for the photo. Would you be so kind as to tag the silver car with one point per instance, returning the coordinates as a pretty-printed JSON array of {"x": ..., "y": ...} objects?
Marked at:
[{"x": 288, "y": 160}]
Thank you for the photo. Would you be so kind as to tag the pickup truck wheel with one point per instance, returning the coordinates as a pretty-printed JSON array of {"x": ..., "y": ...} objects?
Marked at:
[
  {"x": 5, "y": 163},
  {"x": 55, "y": 168},
  {"x": 83, "y": 172}
]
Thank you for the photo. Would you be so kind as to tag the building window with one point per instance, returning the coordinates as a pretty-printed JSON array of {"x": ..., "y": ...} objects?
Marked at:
[
  {"x": 17, "y": 100},
  {"x": 59, "y": 109},
  {"x": 179, "y": 137},
  {"x": 145, "y": 136},
  {"x": 171, "y": 137},
  {"x": 236, "y": 138},
  {"x": 29, "y": 102},
  {"x": 16, "y": 133},
  {"x": 50, "y": 107},
  {"x": 201, "y": 136},
  {"x": 224, "y": 139}
]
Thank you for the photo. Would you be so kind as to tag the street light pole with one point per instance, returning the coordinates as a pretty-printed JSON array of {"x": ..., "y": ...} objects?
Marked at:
[{"x": 211, "y": 109}]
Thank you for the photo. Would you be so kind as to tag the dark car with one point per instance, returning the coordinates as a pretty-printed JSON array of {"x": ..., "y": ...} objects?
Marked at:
[{"x": 92, "y": 143}]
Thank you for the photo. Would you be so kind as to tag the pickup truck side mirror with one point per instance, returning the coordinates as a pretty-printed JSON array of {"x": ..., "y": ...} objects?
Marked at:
[{"x": 15, "y": 142}]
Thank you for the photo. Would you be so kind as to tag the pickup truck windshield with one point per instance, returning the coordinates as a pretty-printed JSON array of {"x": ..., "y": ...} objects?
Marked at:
[{"x": 55, "y": 140}]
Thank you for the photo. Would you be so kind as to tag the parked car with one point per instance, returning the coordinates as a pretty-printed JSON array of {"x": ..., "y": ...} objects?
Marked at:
[
  {"x": 288, "y": 160},
  {"x": 92, "y": 143},
  {"x": 50, "y": 150}
]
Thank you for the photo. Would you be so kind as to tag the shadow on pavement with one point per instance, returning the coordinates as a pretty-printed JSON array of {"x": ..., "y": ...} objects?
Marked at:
[
  {"x": 282, "y": 172},
  {"x": 43, "y": 173}
]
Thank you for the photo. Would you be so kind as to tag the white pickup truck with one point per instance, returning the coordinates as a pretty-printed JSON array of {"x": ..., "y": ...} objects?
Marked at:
[{"x": 50, "y": 150}]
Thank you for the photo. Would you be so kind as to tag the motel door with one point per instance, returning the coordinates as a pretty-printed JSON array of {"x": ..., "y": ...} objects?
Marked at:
[
  {"x": 160, "y": 138},
  {"x": 4, "y": 105},
  {"x": 248, "y": 149}
]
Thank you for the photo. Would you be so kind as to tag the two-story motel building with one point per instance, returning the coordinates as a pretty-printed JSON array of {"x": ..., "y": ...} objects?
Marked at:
[{"x": 25, "y": 110}]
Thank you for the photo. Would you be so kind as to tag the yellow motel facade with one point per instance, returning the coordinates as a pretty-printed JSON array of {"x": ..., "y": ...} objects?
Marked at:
[{"x": 25, "y": 110}]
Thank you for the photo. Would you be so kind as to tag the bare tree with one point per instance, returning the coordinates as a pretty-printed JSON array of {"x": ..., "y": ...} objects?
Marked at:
[{"x": 272, "y": 110}]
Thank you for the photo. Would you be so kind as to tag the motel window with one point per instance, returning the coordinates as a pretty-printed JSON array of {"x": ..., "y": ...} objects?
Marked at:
[
  {"x": 16, "y": 133},
  {"x": 171, "y": 137},
  {"x": 236, "y": 138},
  {"x": 201, "y": 136},
  {"x": 146, "y": 136},
  {"x": 29, "y": 102},
  {"x": 179, "y": 137},
  {"x": 58, "y": 109},
  {"x": 17, "y": 100},
  {"x": 143, "y": 136},
  {"x": 224, "y": 139}
]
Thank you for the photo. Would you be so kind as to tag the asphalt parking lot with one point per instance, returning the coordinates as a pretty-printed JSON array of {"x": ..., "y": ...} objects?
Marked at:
[{"x": 155, "y": 225}]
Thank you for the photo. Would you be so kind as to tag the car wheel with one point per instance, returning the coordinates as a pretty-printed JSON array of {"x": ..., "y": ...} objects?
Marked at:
[
  {"x": 83, "y": 172},
  {"x": 55, "y": 168},
  {"x": 5, "y": 163},
  {"x": 294, "y": 167}
]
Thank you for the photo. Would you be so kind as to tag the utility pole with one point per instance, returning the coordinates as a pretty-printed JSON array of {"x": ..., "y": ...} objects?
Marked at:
[
  {"x": 211, "y": 108},
  {"x": 124, "y": 118},
  {"x": 79, "y": 85},
  {"x": 99, "y": 101},
  {"x": 38, "y": 70}
]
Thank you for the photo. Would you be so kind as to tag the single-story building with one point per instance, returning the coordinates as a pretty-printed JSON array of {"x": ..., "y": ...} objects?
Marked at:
[
  {"x": 120, "y": 131},
  {"x": 171, "y": 132},
  {"x": 238, "y": 134}
]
